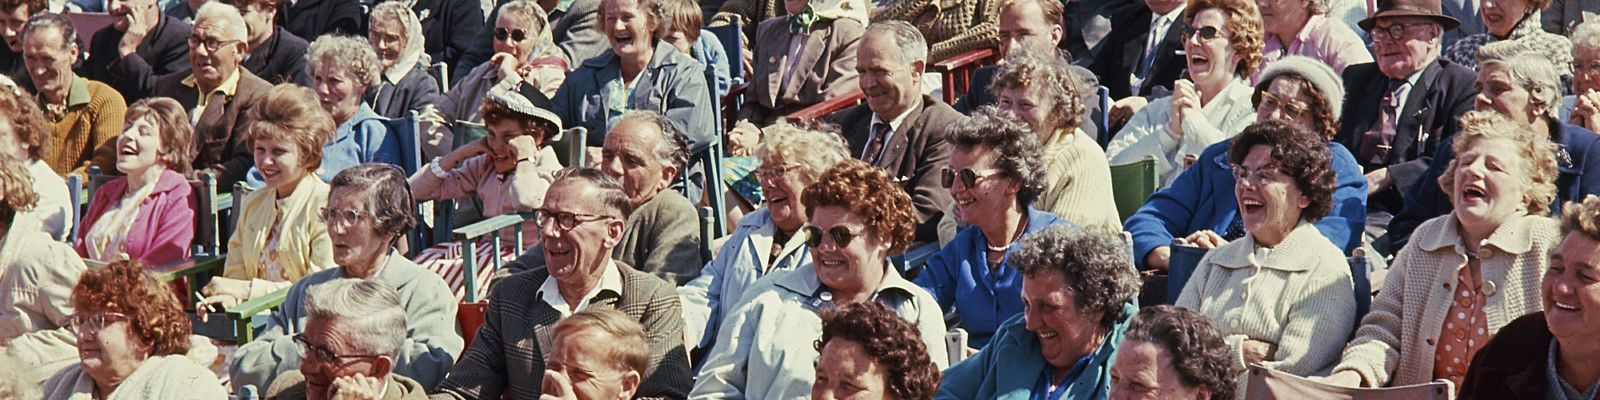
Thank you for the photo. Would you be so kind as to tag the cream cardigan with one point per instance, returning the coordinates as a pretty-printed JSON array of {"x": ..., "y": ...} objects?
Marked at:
[
  {"x": 303, "y": 244},
  {"x": 1078, "y": 182},
  {"x": 1395, "y": 344}
]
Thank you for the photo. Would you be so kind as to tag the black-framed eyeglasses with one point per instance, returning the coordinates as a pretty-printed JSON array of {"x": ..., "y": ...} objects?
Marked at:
[
  {"x": 1292, "y": 110},
  {"x": 81, "y": 323},
  {"x": 323, "y": 354},
  {"x": 211, "y": 44},
  {"x": 1206, "y": 34},
  {"x": 334, "y": 216},
  {"x": 565, "y": 220},
  {"x": 773, "y": 172},
  {"x": 1393, "y": 32},
  {"x": 969, "y": 178},
  {"x": 841, "y": 235},
  {"x": 1268, "y": 173},
  {"x": 515, "y": 34}
]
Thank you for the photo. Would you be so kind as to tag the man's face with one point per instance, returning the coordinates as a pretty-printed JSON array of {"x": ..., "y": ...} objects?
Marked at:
[
  {"x": 213, "y": 67},
  {"x": 582, "y": 250},
  {"x": 11, "y": 23},
  {"x": 120, "y": 10},
  {"x": 258, "y": 21},
  {"x": 332, "y": 336},
  {"x": 581, "y": 356},
  {"x": 630, "y": 156},
  {"x": 49, "y": 62},
  {"x": 892, "y": 87},
  {"x": 1022, "y": 24},
  {"x": 1416, "y": 47}
]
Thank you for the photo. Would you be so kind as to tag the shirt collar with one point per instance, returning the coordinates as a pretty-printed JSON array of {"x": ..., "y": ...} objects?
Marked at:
[
  {"x": 894, "y": 124},
  {"x": 1174, "y": 15},
  {"x": 1513, "y": 236},
  {"x": 228, "y": 87},
  {"x": 79, "y": 93},
  {"x": 610, "y": 279}
]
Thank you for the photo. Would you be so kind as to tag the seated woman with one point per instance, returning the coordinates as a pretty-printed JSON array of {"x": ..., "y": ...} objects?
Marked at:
[
  {"x": 1303, "y": 27},
  {"x": 995, "y": 172},
  {"x": 395, "y": 34},
  {"x": 681, "y": 28},
  {"x": 1514, "y": 21},
  {"x": 524, "y": 54},
  {"x": 1079, "y": 289},
  {"x": 147, "y": 215},
  {"x": 1172, "y": 353},
  {"x": 1551, "y": 354},
  {"x": 803, "y": 58},
  {"x": 36, "y": 278},
  {"x": 1222, "y": 43},
  {"x": 369, "y": 210},
  {"x": 1489, "y": 253},
  {"x": 768, "y": 239},
  {"x": 1283, "y": 291},
  {"x": 133, "y": 340},
  {"x": 28, "y": 137},
  {"x": 858, "y": 218},
  {"x": 342, "y": 69},
  {"x": 279, "y": 238},
  {"x": 1042, "y": 90},
  {"x": 868, "y": 351}
]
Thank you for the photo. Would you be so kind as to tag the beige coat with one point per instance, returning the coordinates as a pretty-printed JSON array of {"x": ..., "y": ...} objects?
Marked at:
[
  {"x": 303, "y": 244},
  {"x": 162, "y": 377},
  {"x": 37, "y": 274},
  {"x": 1078, "y": 182}
]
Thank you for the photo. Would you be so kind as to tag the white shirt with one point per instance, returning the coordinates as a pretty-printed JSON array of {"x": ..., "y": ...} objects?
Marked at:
[
  {"x": 894, "y": 124},
  {"x": 610, "y": 279}
]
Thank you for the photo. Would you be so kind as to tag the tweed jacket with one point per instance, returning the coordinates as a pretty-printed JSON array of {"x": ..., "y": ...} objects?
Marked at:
[
  {"x": 506, "y": 359},
  {"x": 749, "y": 14},
  {"x": 164, "y": 51},
  {"x": 86, "y": 134},
  {"x": 292, "y": 386},
  {"x": 1124, "y": 50},
  {"x": 708, "y": 298},
  {"x": 303, "y": 244},
  {"x": 1529, "y": 31},
  {"x": 1149, "y": 134},
  {"x": 826, "y": 67},
  {"x": 913, "y": 155},
  {"x": 1397, "y": 340},
  {"x": 674, "y": 84},
  {"x": 37, "y": 274},
  {"x": 396, "y": 99},
  {"x": 164, "y": 228},
  {"x": 1300, "y": 297},
  {"x": 950, "y": 27},
  {"x": 281, "y": 59},
  {"x": 1512, "y": 366},
  {"x": 1441, "y": 94},
  {"x": 662, "y": 238},
  {"x": 219, "y": 134}
]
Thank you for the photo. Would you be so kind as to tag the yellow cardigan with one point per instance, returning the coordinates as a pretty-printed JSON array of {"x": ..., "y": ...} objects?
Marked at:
[{"x": 303, "y": 244}]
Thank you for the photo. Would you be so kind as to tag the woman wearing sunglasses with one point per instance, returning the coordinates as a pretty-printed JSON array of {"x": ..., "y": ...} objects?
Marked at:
[
  {"x": 1282, "y": 294},
  {"x": 524, "y": 54},
  {"x": 1223, "y": 46},
  {"x": 764, "y": 349},
  {"x": 133, "y": 342},
  {"x": 995, "y": 172}
]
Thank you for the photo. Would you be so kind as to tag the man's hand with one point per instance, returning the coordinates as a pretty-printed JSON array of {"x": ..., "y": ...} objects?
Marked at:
[
  {"x": 1185, "y": 100},
  {"x": 1206, "y": 239},
  {"x": 508, "y": 66},
  {"x": 138, "y": 27},
  {"x": 1586, "y": 112},
  {"x": 1123, "y": 110},
  {"x": 1257, "y": 351},
  {"x": 355, "y": 387},
  {"x": 1158, "y": 258},
  {"x": 1377, "y": 180},
  {"x": 432, "y": 125},
  {"x": 222, "y": 293},
  {"x": 557, "y": 386}
]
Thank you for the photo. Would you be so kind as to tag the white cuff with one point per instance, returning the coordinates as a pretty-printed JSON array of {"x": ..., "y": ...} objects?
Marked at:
[{"x": 437, "y": 171}]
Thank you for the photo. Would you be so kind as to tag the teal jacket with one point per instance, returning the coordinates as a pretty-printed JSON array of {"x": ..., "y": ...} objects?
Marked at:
[{"x": 1009, "y": 366}]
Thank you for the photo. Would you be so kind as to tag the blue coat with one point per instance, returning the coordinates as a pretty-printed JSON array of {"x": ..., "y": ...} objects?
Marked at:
[
  {"x": 722, "y": 283},
  {"x": 673, "y": 84},
  {"x": 1011, "y": 365},
  {"x": 958, "y": 276},
  {"x": 1202, "y": 198}
]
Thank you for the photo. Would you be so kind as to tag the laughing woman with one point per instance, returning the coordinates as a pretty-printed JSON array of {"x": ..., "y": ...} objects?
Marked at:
[{"x": 147, "y": 215}]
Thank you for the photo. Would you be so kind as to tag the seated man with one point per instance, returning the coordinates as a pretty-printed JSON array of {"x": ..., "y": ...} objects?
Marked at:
[
  {"x": 580, "y": 223},
  {"x": 141, "y": 45},
  {"x": 217, "y": 92},
  {"x": 13, "y": 15},
  {"x": 1140, "y": 59},
  {"x": 602, "y": 344},
  {"x": 275, "y": 54},
  {"x": 900, "y": 129},
  {"x": 87, "y": 115},
  {"x": 353, "y": 337}
]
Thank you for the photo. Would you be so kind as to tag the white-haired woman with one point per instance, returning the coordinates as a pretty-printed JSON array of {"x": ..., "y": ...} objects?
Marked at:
[{"x": 395, "y": 34}]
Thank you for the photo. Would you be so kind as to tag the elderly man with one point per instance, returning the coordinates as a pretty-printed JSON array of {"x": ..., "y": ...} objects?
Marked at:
[
  {"x": 604, "y": 345},
  {"x": 900, "y": 129},
  {"x": 141, "y": 45},
  {"x": 275, "y": 54},
  {"x": 1399, "y": 108},
  {"x": 13, "y": 15},
  {"x": 353, "y": 337},
  {"x": 217, "y": 92},
  {"x": 579, "y": 225},
  {"x": 87, "y": 115}
]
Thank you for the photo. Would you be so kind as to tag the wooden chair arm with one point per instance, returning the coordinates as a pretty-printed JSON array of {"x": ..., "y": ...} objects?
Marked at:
[
  {"x": 242, "y": 313},
  {"x": 190, "y": 267},
  {"x": 963, "y": 60},
  {"x": 817, "y": 111},
  {"x": 488, "y": 225}
]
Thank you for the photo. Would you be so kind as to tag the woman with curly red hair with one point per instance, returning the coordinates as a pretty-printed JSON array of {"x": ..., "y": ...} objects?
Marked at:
[
  {"x": 866, "y": 351},
  {"x": 858, "y": 218}
]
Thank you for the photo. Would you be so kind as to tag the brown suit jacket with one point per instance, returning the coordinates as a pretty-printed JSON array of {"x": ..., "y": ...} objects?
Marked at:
[
  {"x": 219, "y": 135},
  {"x": 913, "y": 155},
  {"x": 292, "y": 386},
  {"x": 826, "y": 68}
]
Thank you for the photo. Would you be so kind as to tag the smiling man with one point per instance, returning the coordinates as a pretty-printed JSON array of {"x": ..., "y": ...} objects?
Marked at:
[
  {"x": 141, "y": 45},
  {"x": 86, "y": 115},
  {"x": 217, "y": 92}
]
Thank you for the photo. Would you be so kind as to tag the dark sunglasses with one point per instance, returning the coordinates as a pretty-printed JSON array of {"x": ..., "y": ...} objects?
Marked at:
[
  {"x": 1206, "y": 34},
  {"x": 969, "y": 178},
  {"x": 514, "y": 34},
  {"x": 841, "y": 236}
]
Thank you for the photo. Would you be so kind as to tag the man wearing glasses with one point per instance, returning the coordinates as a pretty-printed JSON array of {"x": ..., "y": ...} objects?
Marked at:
[
  {"x": 581, "y": 221},
  {"x": 352, "y": 340},
  {"x": 1403, "y": 105},
  {"x": 217, "y": 92}
]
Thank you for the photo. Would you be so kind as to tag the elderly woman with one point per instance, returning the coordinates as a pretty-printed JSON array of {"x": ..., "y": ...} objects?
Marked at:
[
  {"x": 1171, "y": 353},
  {"x": 395, "y": 34},
  {"x": 342, "y": 68},
  {"x": 1043, "y": 91},
  {"x": 133, "y": 341},
  {"x": 279, "y": 238},
  {"x": 767, "y": 239},
  {"x": 36, "y": 277},
  {"x": 1488, "y": 255},
  {"x": 524, "y": 54},
  {"x": 27, "y": 136},
  {"x": 1079, "y": 289},
  {"x": 1582, "y": 107},
  {"x": 1283, "y": 291},
  {"x": 1222, "y": 43},
  {"x": 354, "y": 342},
  {"x": 639, "y": 72},
  {"x": 804, "y": 57},
  {"x": 147, "y": 215},
  {"x": 867, "y": 351},
  {"x": 857, "y": 220},
  {"x": 1551, "y": 354},
  {"x": 994, "y": 174},
  {"x": 369, "y": 209},
  {"x": 1201, "y": 206},
  {"x": 1518, "y": 21},
  {"x": 1302, "y": 27}
]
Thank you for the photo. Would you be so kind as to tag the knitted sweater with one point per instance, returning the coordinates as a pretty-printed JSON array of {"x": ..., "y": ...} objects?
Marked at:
[
  {"x": 87, "y": 132},
  {"x": 1078, "y": 182}
]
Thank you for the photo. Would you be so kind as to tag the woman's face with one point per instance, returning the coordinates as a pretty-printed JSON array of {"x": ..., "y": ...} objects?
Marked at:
[
  {"x": 1030, "y": 106},
  {"x": 1145, "y": 371},
  {"x": 280, "y": 165},
  {"x": 990, "y": 195},
  {"x": 139, "y": 145},
  {"x": 1269, "y": 200},
  {"x": 112, "y": 352},
  {"x": 1490, "y": 183},
  {"x": 1211, "y": 62},
  {"x": 499, "y": 139},
  {"x": 520, "y": 50},
  {"x": 627, "y": 27},
  {"x": 1497, "y": 92},
  {"x": 855, "y": 267},
  {"x": 1284, "y": 18},
  {"x": 1065, "y": 333},
  {"x": 781, "y": 184},
  {"x": 1501, "y": 16},
  {"x": 1585, "y": 78},
  {"x": 1285, "y": 101},
  {"x": 845, "y": 372},
  {"x": 338, "y": 92},
  {"x": 352, "y": 227},
  {"x": 388, "y": 37},
  {"x": 11, "y": 143},
  {"x": 1571, "y": 289}
]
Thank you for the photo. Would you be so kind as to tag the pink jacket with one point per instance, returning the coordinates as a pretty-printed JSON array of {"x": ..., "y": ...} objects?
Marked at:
[{"x": 164, "y": 229}]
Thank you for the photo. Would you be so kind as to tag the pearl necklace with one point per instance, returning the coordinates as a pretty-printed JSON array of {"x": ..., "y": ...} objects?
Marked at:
[{"x": 1020, "y": 230}]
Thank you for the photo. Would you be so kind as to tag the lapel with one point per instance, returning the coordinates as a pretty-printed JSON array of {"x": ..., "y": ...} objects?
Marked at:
[
  {"x": 603, "y": 300},
  {"x": 1410, "y": 129},
  {"x": 1372, "y": 115},
  {"x": 811, "y": 49},
  {"x": 776, "y": 41},
  {"x": 894, "y": 151}
]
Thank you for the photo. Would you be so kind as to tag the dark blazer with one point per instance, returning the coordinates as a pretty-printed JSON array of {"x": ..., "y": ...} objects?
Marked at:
[
  {"x": 506, "y": 359},
  {"x": 826, "y": 68},
  {"x": 1442, "y": 93},
  {"x": 574, "y": 29},
  {"x": 281, "y": 59},
  {"x": 449, "y": 26},
  {"x": 1124, "y": 50},
  {"x": 311, "y": 19},
  {"x": 1512, "y": 365},
  {"x": 164, "y": 51},
  {"x": 219, "y": 136},
  {"x": 12, "y": 66},
  {"x": 913, "y": 155},
  {"x": 414, "y": 90}
]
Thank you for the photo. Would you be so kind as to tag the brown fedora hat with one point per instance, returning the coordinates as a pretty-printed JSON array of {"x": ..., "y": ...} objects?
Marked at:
[{"x": 1410, "y": 8}]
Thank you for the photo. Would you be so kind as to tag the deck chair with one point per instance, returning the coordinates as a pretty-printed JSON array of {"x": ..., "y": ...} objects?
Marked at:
[
  {"x": 956, "y": 72},
  {"x": 1181, "y": 265},
  {"x": 819, "y": 110},
  {"x": 1359, "y": 272},
  {"x": 79, "y": 202},
  {"x": 470, "y": 312},
  {"x": 1132, "y": 184},
  {"x": 1267, "y": 384},
  {"x": 710, "y": 161},
  {"x": 912, "y": 262},
  {"x": 1103, "y": 119}
]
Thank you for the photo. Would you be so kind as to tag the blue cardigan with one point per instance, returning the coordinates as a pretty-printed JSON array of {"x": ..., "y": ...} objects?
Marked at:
[
  {"x": 959, "y": 276},
  {"x": 1202, "y": 198},
  {"x": 1009, "y": 368}
]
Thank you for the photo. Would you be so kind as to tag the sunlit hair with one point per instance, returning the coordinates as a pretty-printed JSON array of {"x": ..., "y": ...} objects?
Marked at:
[
  {"x": 1094, "y": 265},
  {"x": 1582, "y": 217},
  {"x": 370, "y": 309},
  {"x": 814, "y": 151},
  {"x": 626, "y": 349},
  {"x": 154, "y": 316},
  {"x": 1052, "y": 78},
  {"x": 866, "y": 192},
  {"x": 34, "y": 6},
  {"x": 51, "y": 21},
  {"x": 1536, "y": 151},
  {"x": 1301, "y": 152},
  {"x": 223, "y": 17},
  {"x": 535, "y": 19},
  {"x": 648, "y": 10},
  {"x": 672, "y": 149},
  {"x": 27, "y": 122},
  {"x": 1052, "y": 9},
  {"x": 1585, "y": 37},
  {"x": 1526, "y": 68},
  {"x": 415, "y": 41},
  {"x": 386, "y": 193},
  {"x": 291, "y": 115},
  {"x": 348, "y": 55},
  {"x": 890, "y": 341},
  {"x": 913, "y": 47},
  {"x": 172, "y": 123},
  {"x": 1244, "y": 29},
  {"x": 16, "y": 189},
  {"x": 1017, "y": 152},
  {"x": 609, "y": 190},
  {"x": 681, "y": 16},
  {"x": 1198, "y": 353}
]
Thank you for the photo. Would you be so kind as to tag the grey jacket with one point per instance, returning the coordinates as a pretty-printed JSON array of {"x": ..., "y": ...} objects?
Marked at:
[{"x": 673, "y": 84}]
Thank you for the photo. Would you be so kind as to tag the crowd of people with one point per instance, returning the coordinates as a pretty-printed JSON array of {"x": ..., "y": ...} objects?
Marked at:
[{"x": 1372, "y": 195}]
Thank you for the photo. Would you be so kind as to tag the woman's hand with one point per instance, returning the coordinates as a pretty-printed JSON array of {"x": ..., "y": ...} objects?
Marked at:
[
  {"x": 1124, "y": 109},
  {"x": 1257, "y": 351},
  {"x": 1586, "y": 112},
  {"x": 223, "y": 293},
  {"x": 1346, "y": 378},
  {"x": 1377, "y": 180},
  {"x": 432, "y": 124},
  {"x": 355, "y": 387},
  {"x": 509, "y": 66},
  {"x": 522, "y": 148},
  {"x": 1206, "y": 239},
  {"x": 557, "y": 386},
  {"x": 138, "y": 28},
  {"x": 1184, "y": 101},
  {"x": 469, "y": 150}
]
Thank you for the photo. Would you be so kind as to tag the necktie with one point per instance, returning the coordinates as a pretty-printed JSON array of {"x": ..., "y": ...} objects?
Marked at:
[
  {"x": 875, "y": 144},
  {"x": 1150, "y": 45},
  {"x": 1378, "y": 140}
]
